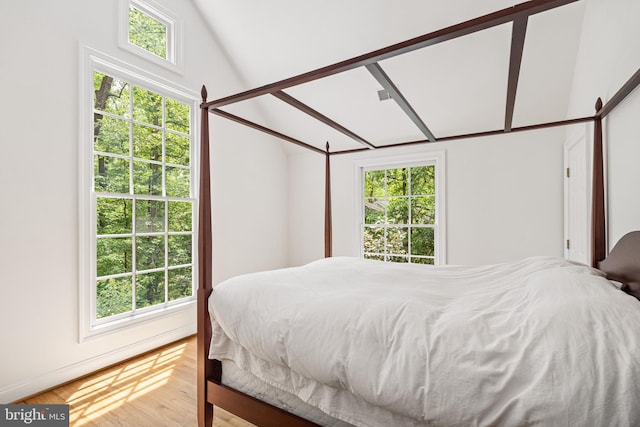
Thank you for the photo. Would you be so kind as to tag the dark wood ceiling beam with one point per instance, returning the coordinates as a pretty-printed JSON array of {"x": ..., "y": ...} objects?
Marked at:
[
  {"x": 376, "y": 71},
  {"x": 266, "y": 130},
  {"x": 321, "y": 117},
  {"x": 518, "y": 34},
  {"x": 468, "y": 27}
]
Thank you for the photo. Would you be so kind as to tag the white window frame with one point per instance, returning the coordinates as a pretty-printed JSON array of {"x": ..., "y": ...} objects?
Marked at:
[
  {"x": 174, "y": 33},
  {"x": 435, "y": 158},
  {"x": 92, "y": 60}
]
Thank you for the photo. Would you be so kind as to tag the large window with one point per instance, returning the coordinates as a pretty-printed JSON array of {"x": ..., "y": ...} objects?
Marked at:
[
  {"x": 142, "y": 209},
  {"x": 401, "y": 213}
]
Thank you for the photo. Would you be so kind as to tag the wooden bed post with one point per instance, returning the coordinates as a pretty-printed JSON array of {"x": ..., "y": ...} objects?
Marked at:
[
  {"x": 328, "y": 241},
  {"x": 206, "y": 367},
  {"x": 598, "y": 228}
]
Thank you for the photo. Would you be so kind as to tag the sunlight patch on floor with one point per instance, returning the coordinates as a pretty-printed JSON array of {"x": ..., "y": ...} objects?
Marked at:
[{"x": 106, "y": 392}]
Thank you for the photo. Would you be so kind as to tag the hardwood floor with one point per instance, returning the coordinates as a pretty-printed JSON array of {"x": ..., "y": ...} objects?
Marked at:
[{"x": 157, "y": 389}]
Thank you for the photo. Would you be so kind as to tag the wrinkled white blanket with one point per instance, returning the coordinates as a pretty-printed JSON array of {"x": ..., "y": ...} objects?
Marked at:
[{"x": 541, "y": 341}]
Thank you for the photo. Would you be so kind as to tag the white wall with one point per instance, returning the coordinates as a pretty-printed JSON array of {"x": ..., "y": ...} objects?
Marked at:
[
  {"x": 504, "y": 198},
  {"x": 607, "y": 58},
  {"x": 39, "y": 232}
]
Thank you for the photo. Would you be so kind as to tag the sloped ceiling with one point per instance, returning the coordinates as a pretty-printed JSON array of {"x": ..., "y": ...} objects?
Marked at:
[{"x": 455, "y": 87}]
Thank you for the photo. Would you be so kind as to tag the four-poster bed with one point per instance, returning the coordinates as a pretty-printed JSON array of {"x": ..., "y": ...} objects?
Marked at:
[{"x": 622, "y": 265}]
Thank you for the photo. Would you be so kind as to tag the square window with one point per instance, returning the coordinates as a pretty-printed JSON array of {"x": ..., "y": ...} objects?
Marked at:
[{"x": 150, "y": 31}]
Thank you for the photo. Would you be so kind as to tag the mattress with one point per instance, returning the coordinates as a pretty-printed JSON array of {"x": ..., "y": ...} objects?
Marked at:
[
  {"x": 246, "y": 382},
  {"x": 534, "y": 342}
]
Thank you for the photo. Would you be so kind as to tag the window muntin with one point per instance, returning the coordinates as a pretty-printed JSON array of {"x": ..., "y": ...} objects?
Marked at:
[
  {"x": 399, "y": 214},
  {"x": 142, "y": 195}
]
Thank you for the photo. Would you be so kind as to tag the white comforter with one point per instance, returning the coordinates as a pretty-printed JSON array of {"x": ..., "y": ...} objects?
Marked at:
[{"x": 536, "y": 342}]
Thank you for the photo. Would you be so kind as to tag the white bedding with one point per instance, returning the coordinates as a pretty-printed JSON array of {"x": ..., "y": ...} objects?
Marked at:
[{"x": 536, "y": 342}]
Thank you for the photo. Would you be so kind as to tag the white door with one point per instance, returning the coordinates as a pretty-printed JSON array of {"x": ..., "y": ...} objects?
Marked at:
[{"x": 577, "y": 211}]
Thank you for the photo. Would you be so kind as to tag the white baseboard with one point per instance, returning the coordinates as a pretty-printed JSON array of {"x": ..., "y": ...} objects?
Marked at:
[{"x": 17, "y": 392}]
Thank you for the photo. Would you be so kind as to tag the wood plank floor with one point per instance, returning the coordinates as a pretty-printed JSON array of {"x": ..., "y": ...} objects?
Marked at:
[{"x": 157, "y": 389}]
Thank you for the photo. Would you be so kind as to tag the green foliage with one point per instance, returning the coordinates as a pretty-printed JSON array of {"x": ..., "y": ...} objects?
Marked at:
[
  {"x": 180, "y": 283},
  {"x": 147, "y": 106},
  {"x": 177, "y": 116},
  {"x": 149, "y": 216},
  {"x": 180, "y": 249},
  {"x": 113, "y": 215},
  {"x": 180, "y": 214},
  {"x": 126, "y": 132},
  {"x": 178, "y": 182},
  {"x": 111, "y": 174},
  {"x": 150, "y": 289},
  {"x": 149, "y": 252},
  {"x": 399, "y": 211},
  {"x": 147, "y": 33},
  {"x": 113, "y": 256},
  {"x": 113, "y": 296},
  {"x": 177, "y": 149}
]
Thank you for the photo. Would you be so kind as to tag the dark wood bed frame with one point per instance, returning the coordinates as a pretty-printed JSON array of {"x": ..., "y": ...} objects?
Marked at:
[{"x": 623, "y": 263}]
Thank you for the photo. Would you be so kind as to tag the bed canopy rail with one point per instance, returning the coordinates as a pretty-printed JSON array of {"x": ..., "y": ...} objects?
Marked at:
[{"x": 518, "y": 15}]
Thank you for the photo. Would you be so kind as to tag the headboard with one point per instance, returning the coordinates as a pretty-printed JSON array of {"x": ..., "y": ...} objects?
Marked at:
[{"x": 623, "y": 263}]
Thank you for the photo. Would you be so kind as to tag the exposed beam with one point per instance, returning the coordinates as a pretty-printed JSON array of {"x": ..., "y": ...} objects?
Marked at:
[
  {"x": 621, "y": 94},
  {"x": 266, "y": 130},
  {"x": 468, "y": 27},
  {"x": 376, "y": 70},
  {"x": 517, "y": 46},
  {"x": 319, "y": 116},
  {"x": 478, "y": 134}
]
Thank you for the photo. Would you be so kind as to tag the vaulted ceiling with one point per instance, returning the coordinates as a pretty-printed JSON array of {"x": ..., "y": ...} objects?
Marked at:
[{"x": 459, "y": 86}]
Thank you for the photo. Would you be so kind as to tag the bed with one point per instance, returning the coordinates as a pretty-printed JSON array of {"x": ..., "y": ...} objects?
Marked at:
[{"x": 345, "y": 341}]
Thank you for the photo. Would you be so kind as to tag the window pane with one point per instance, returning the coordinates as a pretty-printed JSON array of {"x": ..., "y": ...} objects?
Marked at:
[
  {"x": 149, "y": 252},
  {"x": 180, "y": 214},
  {"x": 398, "y": 240},
  {"x": 147, "y": 143},
  {"x": 423, "y": 210},
  {"x": 147, "y": 106},
  {"x": 113, "y": 215},
  {"x": 178, "y": 182},
  {"x": 113, "y": 256},
  {"x": 147, "y": 33},
  {"x": 149, "y": 289},
  {"x": 180, "y": 284},
  {"x": 110, "y": 135},
  {"x": 398, "y": 182},
  {"x": 177, "y": 116},
  {"x": 110, "y": 95},
  {"x": 399, "y": 258},
  {"x": 149, "y": 216},
  {"x": 422, "y": 241},
  {"x": 429, "y": 261},
  {"x": 398, "y": 210},
  {"x": 374, "y": 257},
  {"x": 113, "y": 296},
  {"x": 374, "y": 211},
  {"x": 374, "y": 240},
  {"x": 147, "y": 178},
  {"x": 177, "y": 149},
  {"x": 111, "y": 174},
  {"x": 423, "y": 180},
  {"x": 374, "y": 183},
  {"x": 179, "y": 250}
]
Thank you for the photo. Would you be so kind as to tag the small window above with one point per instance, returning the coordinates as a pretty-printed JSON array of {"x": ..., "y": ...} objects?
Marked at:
[{"x": 150, "y": 31}]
